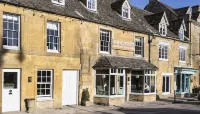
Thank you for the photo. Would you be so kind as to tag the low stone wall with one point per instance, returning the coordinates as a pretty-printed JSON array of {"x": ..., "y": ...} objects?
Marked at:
[
  {"x": 109, "y": 101},
  {"x": 45, "y": 104},
  {"x": 142, "y": 98}
]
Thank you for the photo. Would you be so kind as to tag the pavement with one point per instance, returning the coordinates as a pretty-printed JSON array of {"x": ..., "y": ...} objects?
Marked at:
[{"x": 158, "y": 107}]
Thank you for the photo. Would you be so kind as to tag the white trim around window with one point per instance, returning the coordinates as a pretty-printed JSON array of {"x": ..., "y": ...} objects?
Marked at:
[
  {"x": 126, "y": 10},
  {"x": 11, "y": 31},
  {"x": 53, "y": 37},
  {"x": 59, "y": 2},
  {"x": 182, "y": 55},
  {"x": 163, "y": 51},
  {"x": 92, "y": 5},
  {"x": 44, "y": 85},
  {"x": 166, "y": 84},
  {"x": 105, "y": 41}
]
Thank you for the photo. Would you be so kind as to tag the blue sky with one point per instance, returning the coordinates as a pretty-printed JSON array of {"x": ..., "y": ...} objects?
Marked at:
[{"x": 174, "y": 3}]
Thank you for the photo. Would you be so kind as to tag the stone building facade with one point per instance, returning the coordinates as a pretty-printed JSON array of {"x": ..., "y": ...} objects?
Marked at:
[{"x": 117, "y": 51}]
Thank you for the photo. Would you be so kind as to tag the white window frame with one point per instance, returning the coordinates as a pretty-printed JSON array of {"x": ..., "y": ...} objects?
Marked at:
[
  {"x": 164, "y": 75},
  {"x": 126, "y": 9},
  {"x": 149, "y": 74},
  {"x": 163, "y": 29},
  {"x": 161, "y": 44},
  {"x": 109, "y": 42},
  {"x": 95, "y": 7},
  {"x": 142, "y": 46},
  {"x": 117, "y": 73},
  {"x": 46, "y": 97},
  {"x": 58, "y": 40},
  {"x": 181, "y": 55},
  {"x": 58, "y": 2},
  {"x": 181, "y": 34},
  {"x": 19, "y": 32}
]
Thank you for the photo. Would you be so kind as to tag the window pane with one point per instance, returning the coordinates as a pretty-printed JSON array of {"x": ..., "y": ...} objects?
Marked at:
[
  {"x": 10, "y": 80},
  {"x": 167, "y": 84},
  {"x": 102, "y": 84},
  {"x": 105, "y": 40},
  {"x": 113, "y": 83},
  {"x": 137, "y": 83}
]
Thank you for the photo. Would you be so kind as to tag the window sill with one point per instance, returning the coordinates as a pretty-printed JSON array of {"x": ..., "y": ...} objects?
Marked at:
[
  {"x": 138, "y": 55},
  {"x": 143, "y": 94},
  {"x": 182, "y": 61},
  {"x": 126, "y": 19},
  {"x": 103, "y": 52},
  {"x": 44, "y": 99},
  {"x": 163, "y": 60},
  {"x": 166, "y": 93},
  {"x": 11, "y": 47},
  {"x": 114, "y": 96},
  {"x": 52, "y": 51}
]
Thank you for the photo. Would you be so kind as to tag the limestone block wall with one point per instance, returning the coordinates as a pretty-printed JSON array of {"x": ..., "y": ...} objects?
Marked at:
[{"x": 33, "y": 54}]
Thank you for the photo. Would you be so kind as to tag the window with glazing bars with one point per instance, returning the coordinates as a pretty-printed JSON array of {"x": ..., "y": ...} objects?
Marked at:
[
  {"x": 44, "y": 83},
  {"x": 91, "y": 4},
  {"x": 11, "y": 31},
  {"x": 181, "y": 54},
  {"x": 163, "y": 52},
  {"x": 105, "y": 41},
  {"x": 53, "y": 36},
  {"x": 139, "y": 46}
]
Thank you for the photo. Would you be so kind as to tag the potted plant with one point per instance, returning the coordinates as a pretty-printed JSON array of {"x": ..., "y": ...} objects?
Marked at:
[
  {"x": 85, "y": 97},
  {"x": 9, "y": 85}
]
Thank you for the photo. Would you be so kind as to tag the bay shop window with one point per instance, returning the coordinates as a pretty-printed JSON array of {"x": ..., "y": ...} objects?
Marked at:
[
  {"x": 110, "y": 82},
  {"x": 143, "y": 82}
]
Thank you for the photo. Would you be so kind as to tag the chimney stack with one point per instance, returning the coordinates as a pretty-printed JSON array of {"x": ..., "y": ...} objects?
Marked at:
[{"x": 196, "y": 9}]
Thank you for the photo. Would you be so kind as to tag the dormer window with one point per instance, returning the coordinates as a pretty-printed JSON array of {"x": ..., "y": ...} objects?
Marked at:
[
  {"x": 59, "y": 2},
  {"x": 181, "y": 34},
  {"x": 92, "y": 5},
  {"x": 126, "y": 10},
  {"x": 163, "y": 29}
]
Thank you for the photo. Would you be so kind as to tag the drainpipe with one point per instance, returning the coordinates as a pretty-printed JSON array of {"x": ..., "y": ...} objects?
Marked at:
[
  {"x": 190, "y": 26},
  {"x": 149, "y": 42}
]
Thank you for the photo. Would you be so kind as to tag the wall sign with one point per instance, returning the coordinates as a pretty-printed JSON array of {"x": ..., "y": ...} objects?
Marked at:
[{"x": 122, "y": 45}]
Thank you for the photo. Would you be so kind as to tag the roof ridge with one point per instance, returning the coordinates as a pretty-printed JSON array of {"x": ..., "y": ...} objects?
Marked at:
[{"x": 167, "y": 6}]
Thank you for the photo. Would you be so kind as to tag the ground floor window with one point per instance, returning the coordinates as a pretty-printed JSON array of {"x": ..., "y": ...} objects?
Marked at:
[
  {"x": 143, "y": 82},
  {"x": 166, "y": 84},
  {"x": 44, "y": 83},
  {"x": 183, "y": 83},
  {"x": 110, "y": 82}
]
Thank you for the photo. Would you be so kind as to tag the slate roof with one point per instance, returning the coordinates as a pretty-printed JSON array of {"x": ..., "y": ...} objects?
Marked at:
[
  {"x": 122, "y": 62},
  {"x": 104, "y": 15},
  {"x": 181, "y": 11}
]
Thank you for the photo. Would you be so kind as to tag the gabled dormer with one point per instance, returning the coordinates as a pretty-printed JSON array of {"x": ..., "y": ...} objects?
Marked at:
[
  {"x": 163, "y": 25},
  {"x": 90, "y": 4},
  {"x": 58, "y": 2},
  {"x": 123, "y": 8},
  {"x": 181, "y": 31}
]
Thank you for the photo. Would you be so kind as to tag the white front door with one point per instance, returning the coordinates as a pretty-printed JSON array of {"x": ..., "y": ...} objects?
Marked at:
[
  {"x": 70, "y": 87},
  {"x": 10, "y": 90}
]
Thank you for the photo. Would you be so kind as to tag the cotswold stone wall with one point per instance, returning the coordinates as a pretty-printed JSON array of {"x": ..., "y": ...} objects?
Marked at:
[{"x": 33, "y": 54}]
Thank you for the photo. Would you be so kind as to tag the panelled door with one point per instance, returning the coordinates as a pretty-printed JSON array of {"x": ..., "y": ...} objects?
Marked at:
[
  {"x": 70, "y": 87},
  {"x": 10, "y": 90}
]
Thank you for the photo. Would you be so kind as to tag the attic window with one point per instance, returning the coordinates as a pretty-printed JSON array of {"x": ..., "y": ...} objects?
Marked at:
[
  {"x": 181, "y": 34},
  {"x": 126, "y": 10},
  {"x": 163, "y": 29},
  {"x": 59, "y": 2},
  {"x": 92, "y": 5}
]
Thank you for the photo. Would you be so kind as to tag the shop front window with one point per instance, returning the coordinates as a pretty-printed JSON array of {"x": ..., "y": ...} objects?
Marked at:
[
  {"x": 183, "y": 83},
  {"x": 143, "y": 82},
  {"x": 110, "y": 82}
]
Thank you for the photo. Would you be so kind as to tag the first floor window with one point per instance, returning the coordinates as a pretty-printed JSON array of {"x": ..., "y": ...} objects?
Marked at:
[
  {"x": 105, "y": 41},
  {"x": 143, "y": 82},
  {"x": 11, "y": 31},
  {"x": 166, "y": 84},
  {"x": 53, "y": 36},
  {"x": 44, "y": 83},
  {"x": 182, "y": 54},
  {"x": 109, "y": 84},
  {"x": 163, "y": 52},
  {"x": 139, "y": 46}
]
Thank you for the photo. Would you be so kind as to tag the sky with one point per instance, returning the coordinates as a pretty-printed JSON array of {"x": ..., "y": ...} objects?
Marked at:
[{"x": 174, "y": 3}]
